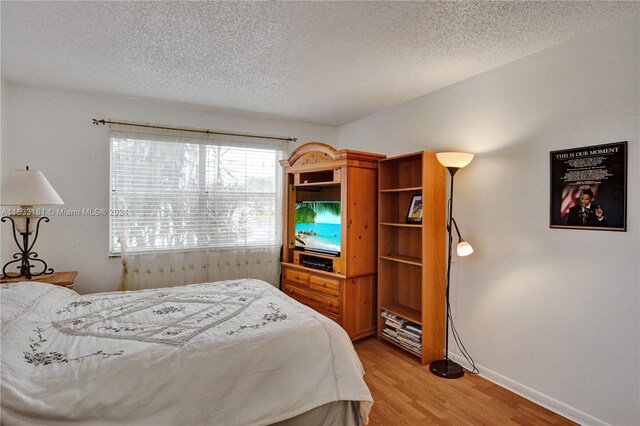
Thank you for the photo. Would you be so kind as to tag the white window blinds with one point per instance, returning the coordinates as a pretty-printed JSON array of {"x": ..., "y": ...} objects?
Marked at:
[{"x": 172, "y": 191}]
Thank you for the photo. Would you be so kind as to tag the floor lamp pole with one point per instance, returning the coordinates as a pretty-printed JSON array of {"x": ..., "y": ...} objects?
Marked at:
[{"x": 445, "y": 367}]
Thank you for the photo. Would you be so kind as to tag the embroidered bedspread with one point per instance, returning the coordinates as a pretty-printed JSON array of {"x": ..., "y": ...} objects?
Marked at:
[{"x": 229, "y": 353}]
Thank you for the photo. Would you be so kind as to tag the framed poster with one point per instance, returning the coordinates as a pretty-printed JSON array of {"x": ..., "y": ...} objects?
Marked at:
[
  {"x": 589, "y": 188},
  {"x": 414, "y": 214}
]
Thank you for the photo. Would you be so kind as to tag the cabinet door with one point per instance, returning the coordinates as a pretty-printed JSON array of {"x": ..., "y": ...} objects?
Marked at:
[
  {"x": 362, "y": 198},
  {"x": 359, "y": 306}
]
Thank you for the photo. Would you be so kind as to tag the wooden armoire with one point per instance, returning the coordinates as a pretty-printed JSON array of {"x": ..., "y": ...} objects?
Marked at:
[{"x": 340, "y": 284}]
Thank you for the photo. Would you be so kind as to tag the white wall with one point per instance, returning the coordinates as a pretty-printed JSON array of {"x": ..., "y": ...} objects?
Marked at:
[
  {"x": 52, "y": 131},
  {"x": 552, "y": 310}
]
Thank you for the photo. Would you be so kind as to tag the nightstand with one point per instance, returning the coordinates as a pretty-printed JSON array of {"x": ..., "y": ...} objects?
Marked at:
[{"x": 64, "y": 279}]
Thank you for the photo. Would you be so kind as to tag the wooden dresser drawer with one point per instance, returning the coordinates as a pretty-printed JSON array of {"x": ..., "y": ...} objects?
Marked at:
[
  {"x": 331, "y": 315},
  {"x": 325, "y": 285},
  {"x": 312, "y": 299},
  {"x": 297, "y": 276}
]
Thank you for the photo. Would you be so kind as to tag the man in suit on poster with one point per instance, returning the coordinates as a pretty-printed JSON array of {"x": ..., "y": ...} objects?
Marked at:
[{"x": 586, "y": 213}]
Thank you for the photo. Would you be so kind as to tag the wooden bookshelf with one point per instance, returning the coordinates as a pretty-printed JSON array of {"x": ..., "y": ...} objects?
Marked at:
[
  {"x": 404, "y": 311},
  {"x": 411, "y": 257}
]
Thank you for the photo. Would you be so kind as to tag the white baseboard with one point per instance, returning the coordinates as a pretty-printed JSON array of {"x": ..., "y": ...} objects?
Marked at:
[{"x": 533, "y": 395}]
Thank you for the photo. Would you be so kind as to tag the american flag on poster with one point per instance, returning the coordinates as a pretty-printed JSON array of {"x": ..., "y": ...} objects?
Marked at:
[{"x": 571, "y": 194}]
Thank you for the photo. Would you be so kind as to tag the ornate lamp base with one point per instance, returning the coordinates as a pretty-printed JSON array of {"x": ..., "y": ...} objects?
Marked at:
[{"x": 24, "y": 258}]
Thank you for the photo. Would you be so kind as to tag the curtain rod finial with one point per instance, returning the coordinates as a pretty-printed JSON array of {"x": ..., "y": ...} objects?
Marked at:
[{"x": 96, "y": 122}]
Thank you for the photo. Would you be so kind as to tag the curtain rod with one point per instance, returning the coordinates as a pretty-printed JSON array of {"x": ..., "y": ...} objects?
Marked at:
[{"x": 208, "y": 132}]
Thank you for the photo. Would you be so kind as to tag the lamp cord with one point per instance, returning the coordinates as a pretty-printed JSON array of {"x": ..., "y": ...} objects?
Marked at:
[{"x": 460, "y": 344}]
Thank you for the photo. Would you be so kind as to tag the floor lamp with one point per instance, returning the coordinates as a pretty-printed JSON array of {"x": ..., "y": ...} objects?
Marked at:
[
  {"x": 27, "y": 189},
  {"x": 453, "y": 161}
]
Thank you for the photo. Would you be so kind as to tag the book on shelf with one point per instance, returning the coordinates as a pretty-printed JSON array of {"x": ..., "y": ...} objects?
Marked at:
[
  {"x": 401, "y": 323},
  {"x": 412, "y": 344},
  {"x": 390, "y": 334},
  {"x": 412, "y": 347},
  {"x": 391, "y": 331},
  {"x": 386, "y": 333},
  {"x": 415, "y": 328},
  {"x": 406, "y": 333},
  {"x": 409, "y": 337},
  {"x": 392, "y": 324}
]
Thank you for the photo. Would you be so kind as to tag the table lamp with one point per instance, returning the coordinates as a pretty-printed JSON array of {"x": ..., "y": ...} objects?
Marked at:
[{"x": 27, "y": 189}]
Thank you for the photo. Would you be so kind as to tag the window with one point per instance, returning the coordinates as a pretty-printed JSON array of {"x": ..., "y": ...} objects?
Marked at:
[{"x": 171, "y": 192}]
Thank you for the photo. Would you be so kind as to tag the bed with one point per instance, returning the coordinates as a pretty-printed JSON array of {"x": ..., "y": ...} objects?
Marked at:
[{"x": 236, "y": 352}]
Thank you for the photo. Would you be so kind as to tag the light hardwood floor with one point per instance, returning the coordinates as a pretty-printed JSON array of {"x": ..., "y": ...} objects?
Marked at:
[{"x": 406, "y": 393}]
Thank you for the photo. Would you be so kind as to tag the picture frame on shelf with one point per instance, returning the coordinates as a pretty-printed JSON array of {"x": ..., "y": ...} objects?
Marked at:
[{"x": 414, "y": 214}]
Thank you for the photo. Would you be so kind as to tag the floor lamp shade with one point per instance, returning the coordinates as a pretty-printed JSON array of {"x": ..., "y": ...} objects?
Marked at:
[
  {"x": 454, "y": 159},
  {"x": 464, "y": 249}
]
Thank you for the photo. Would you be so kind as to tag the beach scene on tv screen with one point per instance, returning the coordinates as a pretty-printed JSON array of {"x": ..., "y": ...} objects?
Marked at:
[{"x": 318, "y": 226}]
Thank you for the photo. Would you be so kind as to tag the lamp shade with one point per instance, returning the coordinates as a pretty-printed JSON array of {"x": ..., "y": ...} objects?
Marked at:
[
  {"x": 454, "y": 159},
  {"x": 464, "y": 248},
  {"x": 28, "y": 188}
]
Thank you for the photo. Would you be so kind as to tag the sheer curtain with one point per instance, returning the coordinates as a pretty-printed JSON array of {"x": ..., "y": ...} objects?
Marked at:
[{"x": 191, "y": 207}]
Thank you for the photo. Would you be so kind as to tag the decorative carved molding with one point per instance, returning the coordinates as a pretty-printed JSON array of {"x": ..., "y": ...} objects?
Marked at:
[
  {"x": 313, "y": 158},
  {"x": 320, "y": 154},
  {"x": 312, "y": 153}
]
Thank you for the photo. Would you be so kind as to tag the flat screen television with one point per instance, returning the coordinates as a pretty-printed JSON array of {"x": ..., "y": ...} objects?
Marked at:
[{"x": 318, "y": 227}]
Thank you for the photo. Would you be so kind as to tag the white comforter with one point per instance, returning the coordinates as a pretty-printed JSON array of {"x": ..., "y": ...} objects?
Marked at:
[{"x": 229, "y": 353}]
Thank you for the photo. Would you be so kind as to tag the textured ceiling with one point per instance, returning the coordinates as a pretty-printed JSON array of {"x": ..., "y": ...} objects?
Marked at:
[{"x": 322, "y": 62}]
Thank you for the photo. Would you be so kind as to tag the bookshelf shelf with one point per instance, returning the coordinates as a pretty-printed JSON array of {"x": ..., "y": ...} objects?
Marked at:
[
  {"x": 411, "y": 189},
  {"x": 401, "y": 225},
  {"x": 409, "y": 260},
  {"x": 411, "y": 257},
  {"x": 317, "y": 178},
  {"x": 403, "y": 311},
  {"x": 303, "y": 185}
]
